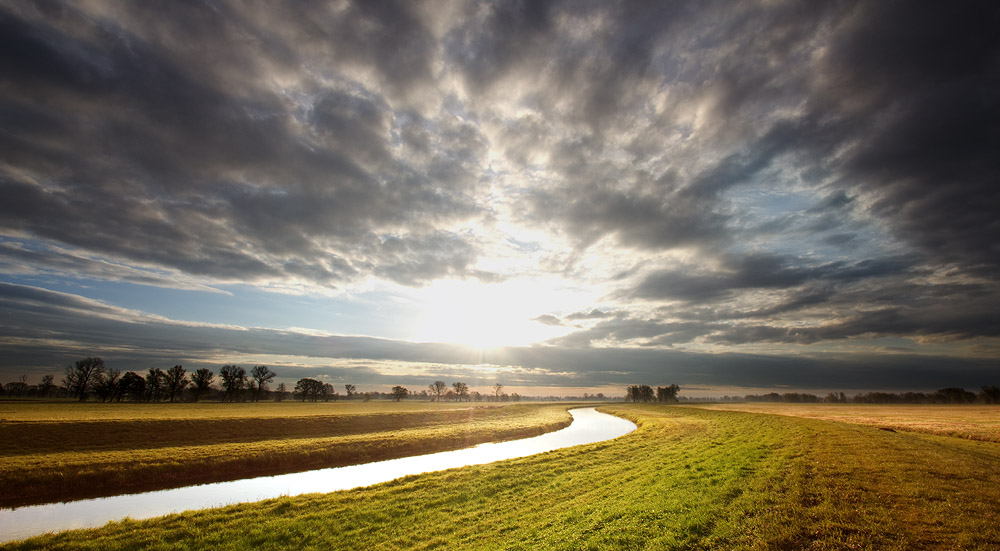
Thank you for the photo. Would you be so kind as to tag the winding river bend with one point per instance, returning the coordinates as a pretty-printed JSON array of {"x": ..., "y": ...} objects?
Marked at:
[{"x": 588, "y": 426}]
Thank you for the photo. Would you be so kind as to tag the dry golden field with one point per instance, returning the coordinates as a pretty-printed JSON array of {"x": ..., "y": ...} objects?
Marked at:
[
  {"x": 975, "y": 422},
  {"x": 56, "y": 451}
]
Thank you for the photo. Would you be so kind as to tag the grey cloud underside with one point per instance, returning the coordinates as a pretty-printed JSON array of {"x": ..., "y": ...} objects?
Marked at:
[
  {"x": 892, "y": 101},
  {"x": 885, "y": 111},
  {"x": 773, "y": 299},
  {"x": 827, "y": 169},
  {"x": 892, "y": 307},
  {"x": 129, "y": 340},
  {"x": 160, "y": 138}
]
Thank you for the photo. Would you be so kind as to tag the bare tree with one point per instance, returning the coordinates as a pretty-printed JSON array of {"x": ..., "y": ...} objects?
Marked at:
[
  {"x": 352, "y": 391},
  {"x": 154, "y": 384},
  {"x": 45, "y": 387},
  {"x": 234, "y": 379},
  {"x": 175, "y": 379},
  {"x": 79, "y": 376},
  {"x": 399, "y": 392},
  {"x": 201, "y": 381},
  {"x": 461, "y": 391},
  {"x": 497, "y": 391},
  {"x": 438, "y": 389},
  {"x": 18, "y": 387},
  {"x": 279, "y": 394},
  {"x": 106, "y": 385},
  {"x": 261, "y": 375}
]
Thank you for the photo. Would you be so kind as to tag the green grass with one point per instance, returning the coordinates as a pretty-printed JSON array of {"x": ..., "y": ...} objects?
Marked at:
[
  {"x": 687, "y": 479},
  {"x": 65, "y": 451}
]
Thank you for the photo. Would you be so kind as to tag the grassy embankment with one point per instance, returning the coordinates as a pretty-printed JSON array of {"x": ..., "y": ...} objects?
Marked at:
[
  {"x": 689, "y": 478},
  {"x": 57, "y": 451}
]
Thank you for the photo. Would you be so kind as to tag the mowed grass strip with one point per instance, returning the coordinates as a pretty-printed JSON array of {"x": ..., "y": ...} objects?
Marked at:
[
  {"x": 686, "y": 479},
  {"x": 44, "y": 461}
]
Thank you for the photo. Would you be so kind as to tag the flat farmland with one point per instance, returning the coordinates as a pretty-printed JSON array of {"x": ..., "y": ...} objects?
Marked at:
[
  {"x": 60, "y": 451},
  {"x": 975, "y": 422},
  {"x": 688, "y": 478}
]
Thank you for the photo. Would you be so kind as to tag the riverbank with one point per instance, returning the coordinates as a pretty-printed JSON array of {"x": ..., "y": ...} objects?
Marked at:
[
  {"x": 588, "y": 426},
  {"x": 686, "y": 479},
  {"x": 64, "y": 451}
]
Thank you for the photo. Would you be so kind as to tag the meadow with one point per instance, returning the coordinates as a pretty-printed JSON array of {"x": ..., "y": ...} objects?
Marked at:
[
  {"x": 59, "y": 451},
  {"x": 688, "y": 478}
]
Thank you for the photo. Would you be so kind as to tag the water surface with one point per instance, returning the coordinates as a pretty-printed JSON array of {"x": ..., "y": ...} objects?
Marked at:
[{"x": 588, "y": 426}]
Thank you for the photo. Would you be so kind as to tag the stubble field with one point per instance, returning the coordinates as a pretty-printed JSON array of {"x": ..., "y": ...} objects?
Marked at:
[
  {"x": 58, "y": 451},
  {"x": 975, "y": 422}
]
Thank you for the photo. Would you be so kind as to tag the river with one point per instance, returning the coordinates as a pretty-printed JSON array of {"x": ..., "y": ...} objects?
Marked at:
[{"x": 588, "y": 426}]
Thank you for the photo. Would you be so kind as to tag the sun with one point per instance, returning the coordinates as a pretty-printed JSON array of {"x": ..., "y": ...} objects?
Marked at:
[{"x": 484, "y": 315}]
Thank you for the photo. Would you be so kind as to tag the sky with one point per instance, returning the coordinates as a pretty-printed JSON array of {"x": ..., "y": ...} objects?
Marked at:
[{"x": 562, "y": 197}]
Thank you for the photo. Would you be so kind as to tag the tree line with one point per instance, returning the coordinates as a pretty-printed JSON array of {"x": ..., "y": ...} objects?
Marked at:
[
  {"x": 644, "y": 393},
  {"x": 92, "y": 376},
  {"x": 313, "y": 390},
  {"x": 953, "y": 395}
]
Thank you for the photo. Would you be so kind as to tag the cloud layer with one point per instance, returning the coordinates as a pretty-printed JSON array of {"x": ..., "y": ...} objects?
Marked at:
[
  {"x": 130, "y": 340},
  {"x": 777, "y": 178}
]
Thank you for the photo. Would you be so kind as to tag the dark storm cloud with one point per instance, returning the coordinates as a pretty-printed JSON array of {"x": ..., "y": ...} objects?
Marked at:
[
  {"x": 130, "y": 340},
  {"x": 929, "y": 88},
  {"x": 157, "y": 135}
]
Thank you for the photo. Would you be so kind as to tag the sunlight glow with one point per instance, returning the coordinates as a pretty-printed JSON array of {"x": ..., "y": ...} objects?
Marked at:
[{"x": 488, "y": 315}]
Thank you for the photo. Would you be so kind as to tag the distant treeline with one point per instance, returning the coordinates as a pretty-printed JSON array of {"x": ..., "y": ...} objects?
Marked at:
[
  {"x": 954, "y": 395},
  {"x": 91, "y": 378},
  {"x": 644, "y": 393},
  {"x": 313, "y": 390}
]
